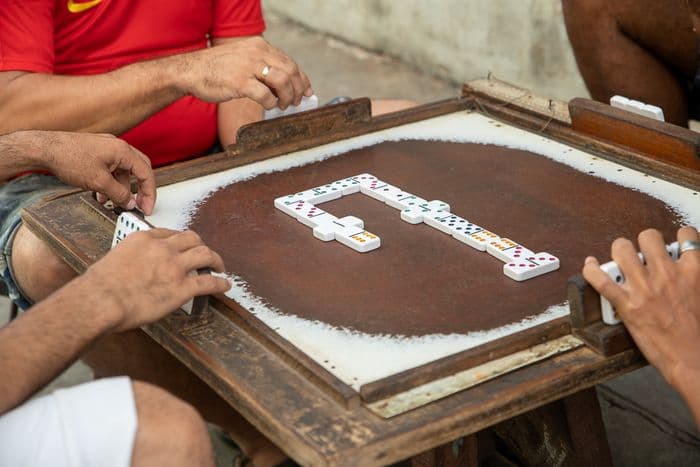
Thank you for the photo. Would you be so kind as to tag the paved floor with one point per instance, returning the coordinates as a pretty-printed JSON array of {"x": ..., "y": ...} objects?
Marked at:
[{"x": 647, "y": 423}]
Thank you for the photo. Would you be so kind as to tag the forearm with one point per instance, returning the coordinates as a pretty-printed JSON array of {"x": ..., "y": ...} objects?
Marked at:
[
  {"x": 105, "y": 103},
  {"x": 21, "y": 151},
  {"x": 47, "y": 338},
  {"x": 234, "y": 114}
]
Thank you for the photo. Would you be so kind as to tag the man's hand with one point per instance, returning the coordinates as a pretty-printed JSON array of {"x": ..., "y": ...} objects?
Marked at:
[
  {"x": 97, "y": 162},
  {"x": 659, "y": 303},
  {"x": 148, "y": 276},
  {"x": 234, "y": 69}
]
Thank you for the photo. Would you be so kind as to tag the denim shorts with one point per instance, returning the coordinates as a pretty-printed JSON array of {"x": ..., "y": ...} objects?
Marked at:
[{"x": 15, "y": 195}]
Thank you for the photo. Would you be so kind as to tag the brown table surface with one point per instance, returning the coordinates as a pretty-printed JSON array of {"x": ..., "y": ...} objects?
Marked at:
[{"x": 422, "y": 281}]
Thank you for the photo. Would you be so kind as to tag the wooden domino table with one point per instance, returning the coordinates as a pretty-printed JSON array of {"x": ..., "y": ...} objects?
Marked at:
[{"x": 347, "y": 358}]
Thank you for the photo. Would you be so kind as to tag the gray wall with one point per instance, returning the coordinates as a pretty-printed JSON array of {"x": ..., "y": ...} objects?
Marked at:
[{"x": 520, "y": 41}]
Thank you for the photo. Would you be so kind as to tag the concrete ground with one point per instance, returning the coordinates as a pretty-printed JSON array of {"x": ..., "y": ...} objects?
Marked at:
[{"x": 646, "y": 422}]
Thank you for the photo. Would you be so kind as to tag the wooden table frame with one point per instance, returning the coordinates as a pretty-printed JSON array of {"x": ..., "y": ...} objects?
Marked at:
[{"x": 286, "y": 404}]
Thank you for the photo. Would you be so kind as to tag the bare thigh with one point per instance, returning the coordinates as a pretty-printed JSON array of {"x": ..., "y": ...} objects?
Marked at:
[{"x": 37, "y": 270}]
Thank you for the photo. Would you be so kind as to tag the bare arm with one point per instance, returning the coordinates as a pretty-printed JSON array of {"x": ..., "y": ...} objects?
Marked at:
[
  {"x": 660, "y": 306},
  {"x": 116, "y": 101},
  {"x": 107, "y": 103},
  {"x": 238, "y": 112},
  {"x": 101, "y": 163},
  {"x": 139, "y": 282}
]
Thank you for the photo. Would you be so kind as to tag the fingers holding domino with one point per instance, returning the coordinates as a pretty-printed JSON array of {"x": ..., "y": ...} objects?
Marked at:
[
  {"x": 633, "y": 273},
  {"x": 602, "y": 282}
]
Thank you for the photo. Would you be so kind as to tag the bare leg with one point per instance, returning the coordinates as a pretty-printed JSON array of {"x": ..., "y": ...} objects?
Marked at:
[
  {"x": 170, "y": 431},
  {"x": 641, "y": 49},
  {"x": 135, "y": 354},
  {"x": 38, "y": 271},
  {"x": 385, "y": 106}
]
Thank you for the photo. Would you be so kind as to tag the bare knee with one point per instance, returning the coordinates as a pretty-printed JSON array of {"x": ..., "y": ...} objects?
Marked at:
[
  {"x": 170, "y": 431},
  {"x": 37, "y": 270}
]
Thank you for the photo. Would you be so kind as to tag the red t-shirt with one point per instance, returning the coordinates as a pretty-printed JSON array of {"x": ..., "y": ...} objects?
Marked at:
[{"x": 84, "y": 37}]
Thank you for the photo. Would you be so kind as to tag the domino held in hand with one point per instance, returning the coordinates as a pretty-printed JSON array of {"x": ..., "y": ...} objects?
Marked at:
[
  {"x": 611, "y": 268},
  {"x": 307, "y": 103},
  {"x": 128, "y": 223}
]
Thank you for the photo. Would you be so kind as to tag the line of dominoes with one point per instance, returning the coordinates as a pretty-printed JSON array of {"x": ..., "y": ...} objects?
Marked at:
[{"x": 520, "y": 262}]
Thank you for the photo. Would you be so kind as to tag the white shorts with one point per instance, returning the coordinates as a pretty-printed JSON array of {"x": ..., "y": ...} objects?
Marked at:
[{"x": 93, "y": 424}]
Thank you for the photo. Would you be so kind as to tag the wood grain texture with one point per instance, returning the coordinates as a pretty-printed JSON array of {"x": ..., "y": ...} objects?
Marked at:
[
  {"x": 671, "y": 143},
  {"x": 400, "y": 382}
]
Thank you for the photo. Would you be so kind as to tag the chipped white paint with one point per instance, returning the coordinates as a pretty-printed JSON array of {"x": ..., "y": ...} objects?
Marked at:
[
  {"x": 466, "y": 379},
  {"x": 358, "y": 358}
]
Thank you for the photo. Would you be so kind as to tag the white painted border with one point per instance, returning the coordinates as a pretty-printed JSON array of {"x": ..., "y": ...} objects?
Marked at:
[{"x": 358, "y": 358}]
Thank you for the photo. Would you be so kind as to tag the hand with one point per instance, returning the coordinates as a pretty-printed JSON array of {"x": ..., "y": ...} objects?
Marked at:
[
  {"x": 659, "y": 303},
  {"x": 147, "y": 276},
  {"x": 233, "y": 69},
  {"x": 101, "y": 163}
]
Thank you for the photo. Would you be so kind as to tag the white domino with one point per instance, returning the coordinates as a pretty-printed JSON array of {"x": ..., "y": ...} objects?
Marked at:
[
  {"x": 326, "y": 231},
  {"x": 531, "y": 266},
  {"x": 507, "y": 250},
  {"x": 307, "y": 103},
  {"x": 382, "y": 193},
  {"x": 404, "y": 200},
  {"x": 638, "y": 107},
  {"x": 322, "y": 194},
  {"x": 414, "y": 215},
  {"x": 673, "y": 250},
  {"x": 654, "y": 112},
  {"x": 463, "y": 230},
  {"x": 347, "y": 186},
  {"x": 311, "y": 215},
  {"x": 358, "y": 239},
  {"x": 370, "y": 185},
  {"x": 445, "y": 222},
  {"x": 366, "y": 179},
  {"x": 619, "y": 102},
  {"x": 477, "y": 240},
  {"x": 287, "y": 204},
  {"x": 128, "y": 223},
  {"x": 607, "y": 310}
]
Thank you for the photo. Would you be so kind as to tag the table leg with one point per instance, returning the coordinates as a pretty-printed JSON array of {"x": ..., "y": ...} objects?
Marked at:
[
  {"x": 568, "y": 432},
  {"x": 586, "y": 429},
  {"x": 462, "y": 452}
]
